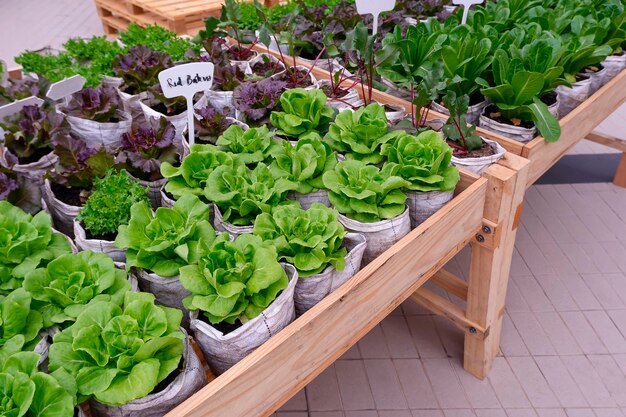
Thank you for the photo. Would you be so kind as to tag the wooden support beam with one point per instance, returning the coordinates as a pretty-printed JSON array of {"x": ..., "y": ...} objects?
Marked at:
[
  {"x": 607, "y": 140},
  {"x": 450, "y": 283},
  {"x": 620, "y": 174},
  {"x": 443, "y": 307}
]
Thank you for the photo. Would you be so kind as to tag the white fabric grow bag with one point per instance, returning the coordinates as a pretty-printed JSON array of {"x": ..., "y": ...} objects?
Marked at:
[
  {"x": 570, "y": 98},
  {"x": 311, "y": 290},
  {"x": 97, "y": 245},
  {"x": 223, "y": 226},
  {"x": 351, "y": 99},
  {"x": 223, "y": 351},
  {"x": 191, "y": 378},
  {"x": 306, "y": 200},
  {"x": 480, "y": 164},
  {"x": 518, "y": 133},
  {"x": 62, "y": 214},
  {"x": 613, "y": 65},
  {"x": 473, "y": 112},
  {"x": 165, "y": 200},
  {"x": 154, "y": 189},
  {"x": 97, "y": 134},
  {"x": 381, "y": 235},
  {"x": 422, "y": 205},
  {"x": 178, "y": 120}
]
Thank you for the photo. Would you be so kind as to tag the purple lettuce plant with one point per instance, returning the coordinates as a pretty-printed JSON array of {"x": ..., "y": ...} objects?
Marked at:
[
  {"x": 257, "y": 100},
  {"x": 97, "y": 104},
  {"x": 167, "y": 106},
  {"x": 7, "y": 186},
  {"x": 140, "y": 68},
  {"x": 29, "y": 134},
  {"x": 20, "y": 89},
  {"x": 210, "y": 123},
  {"x": 147, "y": 146},
  {"x": 78, "y": 164},
  {"x": 227, "y": 78}
]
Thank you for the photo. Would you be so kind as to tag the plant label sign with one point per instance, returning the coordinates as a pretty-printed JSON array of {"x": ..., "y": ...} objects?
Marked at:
[
  {"x": 375, "y": 8},
  {"x": 467, "y": 4},
  {"x": 16, "y": 106},
  {"x": 65, "y": 87},
  {"x": 185, "y": 81}
]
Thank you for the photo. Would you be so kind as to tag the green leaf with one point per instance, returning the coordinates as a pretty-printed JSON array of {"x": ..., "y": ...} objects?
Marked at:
[{"x": 546, "y": 123}]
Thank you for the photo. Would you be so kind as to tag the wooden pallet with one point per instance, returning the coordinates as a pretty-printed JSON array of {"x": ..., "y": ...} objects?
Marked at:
[{"x": 184, "y": 17}]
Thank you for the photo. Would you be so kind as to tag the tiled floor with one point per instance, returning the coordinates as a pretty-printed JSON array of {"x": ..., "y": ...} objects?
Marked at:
[
  {"x": 564, "y": 336},
  {"x": 563, "y": 342}
]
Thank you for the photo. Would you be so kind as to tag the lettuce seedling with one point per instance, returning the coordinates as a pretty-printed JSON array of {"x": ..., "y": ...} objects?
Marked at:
[
  {"x": 163, "y": 241},
  {"x": 97, "y": 104},
  {"x": 251, "y": 146},
  {"x": 27, "y": 392},
  {"x": 423, "y": 160},
  {"x": 304, "y": 111},
  {"x": 192, "y": 175},
  {"x": 27, "y": 243},
  {"x": 147, "y": 146},
  {"x": 211, "y": 123},
  {"x": 364, "y": 193},
  {"x": 234, "y": 280},
  {"x": 311, "y": 240},
  {"x": 140, "y": 68},
  {"x": 62, "y": 290},
  {"x": 241, "y": 194},
  {"x": 304, "y": 164},
  {"x": 20, "y": 325},
  {"x": 256, "y": 100},
  {"x": 360, "y": 134},
  {"x": 119, "y": 354},
  {"x": 108, "y": 206}
]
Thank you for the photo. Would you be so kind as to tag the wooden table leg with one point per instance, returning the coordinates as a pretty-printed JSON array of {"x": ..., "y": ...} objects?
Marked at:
[{"x": 490, "y": 267}]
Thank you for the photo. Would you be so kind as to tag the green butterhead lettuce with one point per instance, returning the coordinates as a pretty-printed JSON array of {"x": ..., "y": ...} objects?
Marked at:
[
  {"x": 26, "y": 242},
  {"x": 64, "y": 287},
  {"x": 423, "y": 160},
  {"x": 193, "y": 173},
  {"x": 24, "y": 391},
  {"x": 20, "y": 325},
  {"x": 241, "y": 194},
  {"x": 304, "y": 164},
  {"x": 119, "y": 354},
  {"x": 365, "y": 193},
  {"x": 167, "y": 239},
  {"x": 252, "y": 146},
  {"x": 234, "y": 280},
  {"x": 360, "y": 134},
  {"x": 311, "y": 240},
  {"x": 304, "y": 111}
]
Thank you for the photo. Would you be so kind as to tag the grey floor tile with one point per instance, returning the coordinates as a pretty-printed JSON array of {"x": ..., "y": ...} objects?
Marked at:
[
  {"x": 459, "y": 412},
  {"x": 353, "y": 386},
  {"x": 327, "y": 414},
  {"x": 580, "y": 412},
  {"x": 427, "y": 413},
  {"x": 582, "y": 331},
  {"x": 385, "y": 384},
  {"x": 589, "y": 381},
  {"x": 445, "y": 384},
  {"x": 323, "y": 392},
  {"x": 603, "y": 291},
  {"x": 533, "y": 382},
  {"x": 521, "y": 412},
  {"x": 607, "y": 331},
  {"x": 558, "y": 333},
  {"x": 506, "y": 385},
  {"x": 532, "y": 333},
  {"x": 425, "y": 337},
  {"x": 511, "y": 342},
  {"x": 296, "y": 403},
  {"x": 533, "y": 294},
  {"x": 551, "y": 412},
  {"x": 398, "y": 337},
  {"x": 608, "y": 412},
  {"x": 612, "y": 377},
  {"x": 480, "y": 393},
  {"x": 415, "y": 384},
  {"x": 490, "y": 412},
  {"x": 374, "y": 345},
  {"x": 394, "y": 413},
  {"x": 561, "y": 382}
]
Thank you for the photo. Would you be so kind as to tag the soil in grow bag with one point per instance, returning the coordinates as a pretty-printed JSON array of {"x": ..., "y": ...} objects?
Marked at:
[
  {"x": 170, "y": 378},
  {"x": 493, "y": 113},
  {"x": 39, "y": 153},
  {"x": 302, "y": 76},
  {"x": 70, "y": 196},
  {"x": 110, "y": 237},
  {"x": 550, "y": 98},
  {"x": 327, "y": 89},
  {"x": 486, "y": 150},
  {"x": 266, "y": 69}
]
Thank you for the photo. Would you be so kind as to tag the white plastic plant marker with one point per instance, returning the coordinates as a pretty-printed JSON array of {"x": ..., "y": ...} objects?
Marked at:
[
  {"x": 467, "y": 4},
  {"x": 186, "y": 80},
  {"x": 65, "y": 87},
  {"x": 375, "y": 8},
  {"x": 16, "y": 106}
]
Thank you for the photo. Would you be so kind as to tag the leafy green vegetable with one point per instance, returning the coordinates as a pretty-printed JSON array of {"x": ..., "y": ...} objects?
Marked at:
[
  {"x": 252, "y": 146},
  {"x": 311, "y": 240},
  {"x": 164, "y": 241},
  {"x": 423, "y": 160},
  {"x": 304, "y": 111},
  {"x": 234, "y": 280},
  {"x": 241, "y": 194},
  {"x": 365, "y": 193},
  {"x": 70, "y": 282},
  {"x": 192, "y": 175},
  {"x": 360, "y": 134},
  {"x": 120, "y": 354},
  {"x": 26, "y": 242},
  {"x": 159, "y": 39},
  {"x": 108, "y": 206},
  {"x": 20, "y": 325},
  {"x": 304, "y": 164},
  {"x": 24, "y": 391}
]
